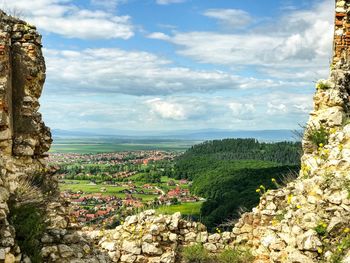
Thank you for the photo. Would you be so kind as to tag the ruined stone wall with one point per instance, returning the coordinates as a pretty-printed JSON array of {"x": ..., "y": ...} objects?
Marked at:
[
  {"x": 342, "y": 32},
  {"x": 23, "y": 136}
]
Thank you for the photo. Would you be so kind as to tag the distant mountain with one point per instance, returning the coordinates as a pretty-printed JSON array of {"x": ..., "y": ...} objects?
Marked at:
[{"x": 200, "y": 135}]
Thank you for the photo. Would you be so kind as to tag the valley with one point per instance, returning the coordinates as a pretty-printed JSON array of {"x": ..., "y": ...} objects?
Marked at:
[
  {"x": 209, "y": 182},
  {"x": 103, "y": 189}
]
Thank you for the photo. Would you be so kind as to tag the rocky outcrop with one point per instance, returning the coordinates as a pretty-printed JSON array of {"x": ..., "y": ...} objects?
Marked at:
[
  {"x": 308, "y": 220},
  {"x": 23, "y": 136}
]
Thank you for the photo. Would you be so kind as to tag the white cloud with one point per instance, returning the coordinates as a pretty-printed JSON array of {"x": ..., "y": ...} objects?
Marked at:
[
  {"x": 240, "y": 109},
  {"x": 287, "y": 58},
  {"x": 167, "y": 2},
  {"x": 302, "y": 42},
  {"x": 168, "y": 110},
  {"x": 64, "y": 18},
  {"x": 136, "y": 73},
  {"x": 122, "y": 112},
  {"x": 159, "y": 35},
  {"x": 233, "y": 18},
  {"x": 107, "y": 4},
  {"x": 276, "y": 108}
]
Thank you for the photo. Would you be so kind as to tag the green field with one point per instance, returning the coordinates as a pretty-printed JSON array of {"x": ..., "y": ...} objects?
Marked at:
[
  {"x": 103, "y": 145},
  {"x": 186, "y": 209}
]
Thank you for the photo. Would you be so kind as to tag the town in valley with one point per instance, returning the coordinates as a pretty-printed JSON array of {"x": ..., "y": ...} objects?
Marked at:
[{"x": 104, "y": 188}]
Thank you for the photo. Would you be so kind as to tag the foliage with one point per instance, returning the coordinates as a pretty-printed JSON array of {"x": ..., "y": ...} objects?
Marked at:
[
  {"x": 28, "y": 221},
  {"x": 186, "y": 209},
  {"x": 196, "y": 254},
  {"x": 341, "y": 250},
  {"x": 152, "y": 177},
  {"x": 151, "y": 173},
  {"x": 319, "y": 137},
  {"x": 27, "y": 192},
  {"x": 201, "y": 156},
  {"x": 227, "y": 189},
  {"x": 321, "y": 229},
  {"x": 228, "y": 172},
  {"x": 323, "y": 85},
  {"x": 235, "y": 256}
]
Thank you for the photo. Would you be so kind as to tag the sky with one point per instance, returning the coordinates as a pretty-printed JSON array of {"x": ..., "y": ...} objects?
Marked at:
[{"x": 161, "y": 65}]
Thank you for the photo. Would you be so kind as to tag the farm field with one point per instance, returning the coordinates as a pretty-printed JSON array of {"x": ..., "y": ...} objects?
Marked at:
[
  {"x": 105, "y": 145},
  {"x": 104, "y": 184}
]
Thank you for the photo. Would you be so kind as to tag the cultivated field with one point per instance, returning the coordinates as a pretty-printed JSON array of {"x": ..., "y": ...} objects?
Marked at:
[{"x": 100, "y": 145}]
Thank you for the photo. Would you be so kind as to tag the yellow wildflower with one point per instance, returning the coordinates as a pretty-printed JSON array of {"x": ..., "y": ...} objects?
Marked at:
[
  {"x": 257, "y": 190},
  {"x": 273, "y": 180},
  {"x": 346, "y": 230},
  {"x": 321, "y": 145},
  {"x": 319, "y": 250},
  {"x": 298, "y": 206}
]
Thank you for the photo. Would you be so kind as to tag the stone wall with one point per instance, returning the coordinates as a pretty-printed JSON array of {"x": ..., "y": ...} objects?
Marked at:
[
  {"x": 23, "y": 136},
  {"x": 342, "y": 32},
  {"x": 148, "y": 237}
]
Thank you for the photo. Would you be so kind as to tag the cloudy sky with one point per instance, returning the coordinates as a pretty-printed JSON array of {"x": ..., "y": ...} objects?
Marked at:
[{"x": 180, "y": 64}]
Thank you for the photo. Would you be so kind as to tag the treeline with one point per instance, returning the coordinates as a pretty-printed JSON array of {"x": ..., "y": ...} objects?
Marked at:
[
  {"x": 107, "y": 172},
  {"x": 228, "y": 172}
]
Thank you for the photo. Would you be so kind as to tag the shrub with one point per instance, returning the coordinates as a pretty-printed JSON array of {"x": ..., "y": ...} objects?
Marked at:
[
  {"x": 196, "y": 254},
  {"x": 235, "y": 256},
  {"x": 321, "y": 229},
  {"x": 340, "y": 251},
  {"x": 29, "y": 224},
  {"x": 323, "y": 85},
  {"x": 27, "y": 193},
  {"x": 26, "y": 216},
  {"x": 318, "y": 136}
]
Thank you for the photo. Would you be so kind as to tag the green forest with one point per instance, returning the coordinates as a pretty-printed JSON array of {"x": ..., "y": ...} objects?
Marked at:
[{"x": 228, "y": 172}]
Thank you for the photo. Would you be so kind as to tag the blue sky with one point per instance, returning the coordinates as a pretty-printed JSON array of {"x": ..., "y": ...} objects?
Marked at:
[{"x": 180, "y": 64}]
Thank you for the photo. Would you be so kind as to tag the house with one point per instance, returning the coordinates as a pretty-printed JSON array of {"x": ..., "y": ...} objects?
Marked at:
[
  {"x": 132, "y": 203},
  {"x": 90, "y": 216},
  {"x": 175, "y": 192},
  {"x": 101, "y": 212},
  {"x": 79, "y": 200},
  {"x": 183, "y": 181}
]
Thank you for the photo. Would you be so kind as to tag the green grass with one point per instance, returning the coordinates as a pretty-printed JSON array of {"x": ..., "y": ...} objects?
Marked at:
[
  {"x": 103, "y": 145},
  {"x": 28, "y": 221},
  {"x": 191, "y": 209}
]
